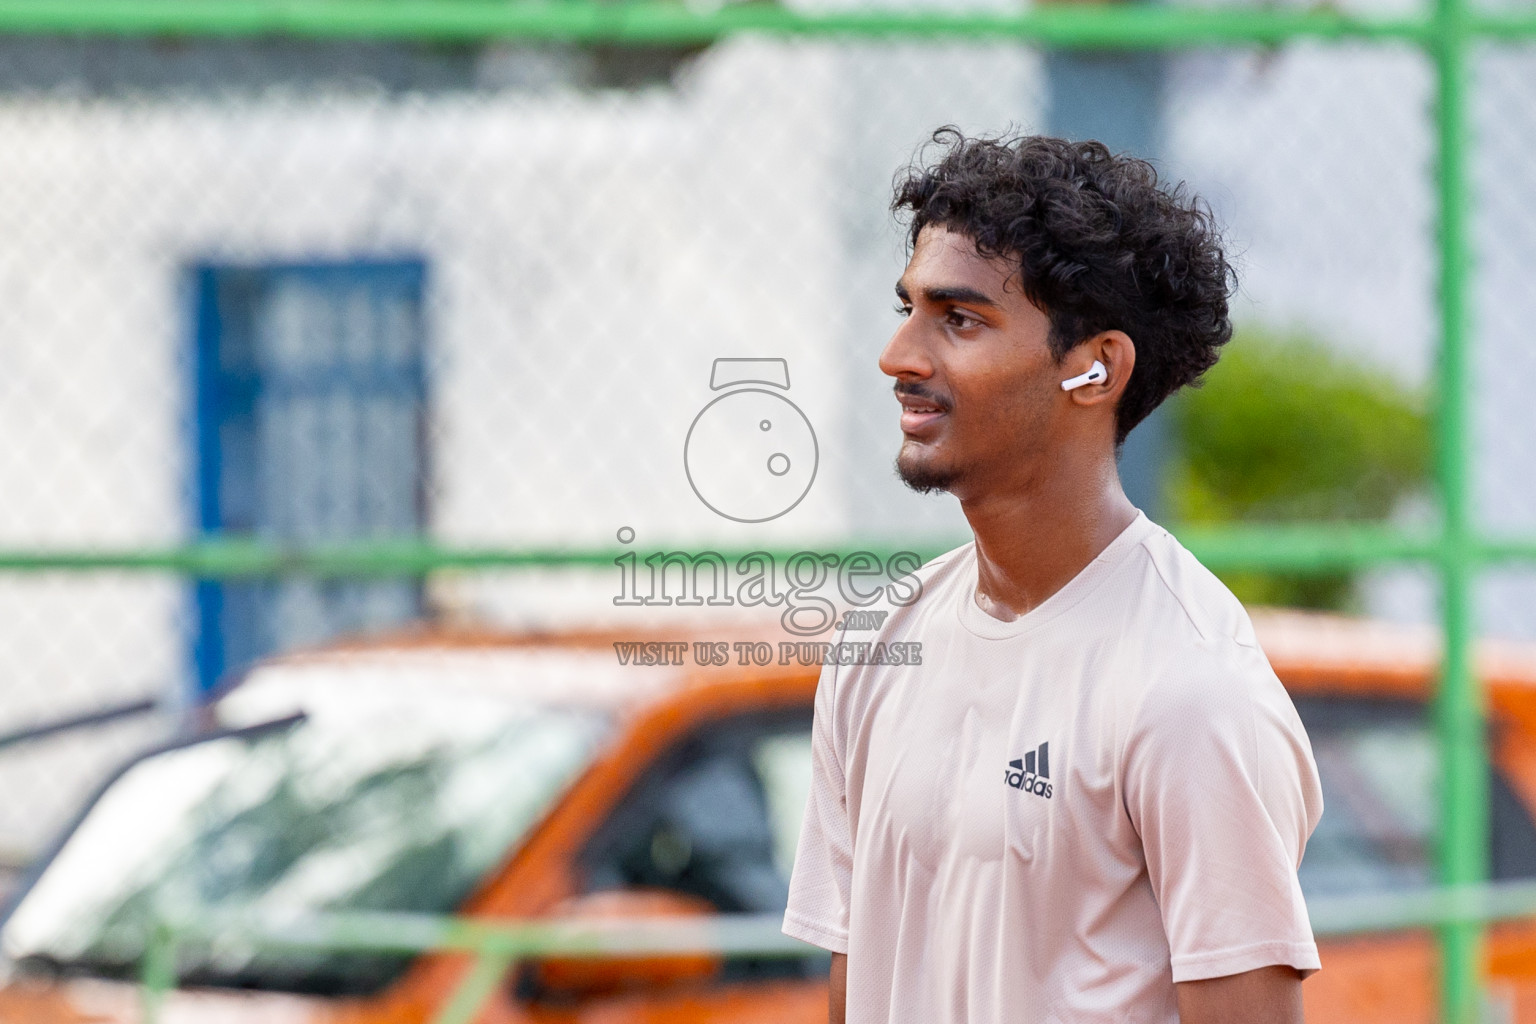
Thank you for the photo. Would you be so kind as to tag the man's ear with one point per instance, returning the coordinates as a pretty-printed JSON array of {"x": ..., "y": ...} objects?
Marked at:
[{"x": 1116, "y": 352}]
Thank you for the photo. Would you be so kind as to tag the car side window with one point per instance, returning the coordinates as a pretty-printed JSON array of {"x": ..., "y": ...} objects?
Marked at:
[
  {"x": 716, "y": 817},
  {"x": 1379, "y": 765},
  {"x": 783, "y": 763}
]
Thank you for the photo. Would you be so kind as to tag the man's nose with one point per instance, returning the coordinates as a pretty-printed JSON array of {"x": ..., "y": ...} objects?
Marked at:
[{"x": 904, "y": 355}]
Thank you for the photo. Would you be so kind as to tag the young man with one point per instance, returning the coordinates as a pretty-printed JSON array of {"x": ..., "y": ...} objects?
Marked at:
[{"x": 1088, "y": 803}]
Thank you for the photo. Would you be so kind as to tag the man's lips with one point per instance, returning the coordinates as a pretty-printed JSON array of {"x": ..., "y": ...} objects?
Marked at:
[{"x": 919, "y": 414}]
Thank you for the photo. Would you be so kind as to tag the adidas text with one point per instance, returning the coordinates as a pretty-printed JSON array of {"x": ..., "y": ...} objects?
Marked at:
[
  {"x": 1029, "y": 782},
  {"x": 1032, "y": 772}
]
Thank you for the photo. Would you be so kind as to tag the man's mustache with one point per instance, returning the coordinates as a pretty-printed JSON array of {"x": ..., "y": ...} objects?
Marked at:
[{"x": 922, "y": 393}]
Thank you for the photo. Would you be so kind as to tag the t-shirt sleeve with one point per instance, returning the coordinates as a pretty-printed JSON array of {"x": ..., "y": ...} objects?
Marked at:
[
  {"x": 1221, "y": 786},
  {"x": 823, "y": 873}
]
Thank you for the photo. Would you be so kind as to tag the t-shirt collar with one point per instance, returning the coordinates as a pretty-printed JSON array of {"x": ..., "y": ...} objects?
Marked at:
[{"x": 1078, "y": 587}]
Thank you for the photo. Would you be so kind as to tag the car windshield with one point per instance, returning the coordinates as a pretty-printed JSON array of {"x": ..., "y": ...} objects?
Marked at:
[{"x": 371, "y": 803}]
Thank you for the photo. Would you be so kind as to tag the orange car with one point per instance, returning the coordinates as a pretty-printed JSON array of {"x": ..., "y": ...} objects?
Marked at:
[{"x": 539, "y": 777}]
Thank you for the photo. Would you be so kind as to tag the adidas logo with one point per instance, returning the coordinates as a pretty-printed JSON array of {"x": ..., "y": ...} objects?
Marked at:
[{"x": 1032, "y": 772}]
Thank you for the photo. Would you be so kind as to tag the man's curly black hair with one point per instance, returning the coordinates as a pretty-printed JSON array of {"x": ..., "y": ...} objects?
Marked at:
[{"x": 1100, "y": 243}]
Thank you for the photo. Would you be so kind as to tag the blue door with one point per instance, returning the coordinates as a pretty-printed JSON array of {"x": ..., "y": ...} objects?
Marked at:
[{"x": 310, "y": 430}]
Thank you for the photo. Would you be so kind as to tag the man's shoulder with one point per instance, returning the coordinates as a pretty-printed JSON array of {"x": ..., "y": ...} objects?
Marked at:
[
  {"x": 1212, "y": 662},
  {"x": 1213, "y": 620}
]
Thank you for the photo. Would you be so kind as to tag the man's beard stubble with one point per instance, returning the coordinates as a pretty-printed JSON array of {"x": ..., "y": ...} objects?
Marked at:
[{"x": 924, "y": 479}]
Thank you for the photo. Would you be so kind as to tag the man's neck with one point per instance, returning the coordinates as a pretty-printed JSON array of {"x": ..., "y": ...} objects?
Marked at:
[{"x": 1031, "y": 542}]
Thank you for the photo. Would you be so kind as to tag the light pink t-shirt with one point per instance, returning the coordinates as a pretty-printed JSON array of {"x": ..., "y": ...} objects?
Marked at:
[{"x": 1054, "y": 819}]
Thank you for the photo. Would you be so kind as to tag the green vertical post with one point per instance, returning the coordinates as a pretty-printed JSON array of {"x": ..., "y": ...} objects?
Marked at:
[
  {"x": 157, "y": 971},
  {"x": 472, "y": 993},
  {"x": 1458, "y": 710}
]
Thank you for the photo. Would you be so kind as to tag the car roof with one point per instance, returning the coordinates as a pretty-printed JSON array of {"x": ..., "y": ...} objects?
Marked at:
[
  {"x": 577, "y": 668},
  {"x": 1309, "y": 647},
  {"x": 1310, "y": 651}
]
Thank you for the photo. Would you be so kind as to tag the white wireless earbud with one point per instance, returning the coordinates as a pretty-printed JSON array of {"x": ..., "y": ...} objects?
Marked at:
[{"x": 1095, "y": 373}]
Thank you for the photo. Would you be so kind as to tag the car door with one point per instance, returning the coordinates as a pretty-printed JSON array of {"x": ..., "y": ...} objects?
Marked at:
[
  {"x": 712, "y": 824},
  {"x": 1379, "y": 766}
]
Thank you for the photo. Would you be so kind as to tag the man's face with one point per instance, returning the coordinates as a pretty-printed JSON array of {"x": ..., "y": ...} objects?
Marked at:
[{"x": 975, "y": 375}]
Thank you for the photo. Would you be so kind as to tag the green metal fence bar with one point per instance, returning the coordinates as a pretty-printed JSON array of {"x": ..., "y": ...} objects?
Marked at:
[
  {"x": 654, "y": 21},
  {"x": 1511, "y": 24},
  {"x": 496, "y": 945},
  {"x": 1319, "y": 548},
  {"x": 384, "y": 932},
  {"x": 476, "y": 988},
  {"x": 1463, "y": 818},
  {"x": 758, "y": 934},
  {"x": 158, "y": 970},
  {"x": 499, "y": 944},
  {"x": 1339, "y": 917},
  {"x": 1296, "y": 548}
]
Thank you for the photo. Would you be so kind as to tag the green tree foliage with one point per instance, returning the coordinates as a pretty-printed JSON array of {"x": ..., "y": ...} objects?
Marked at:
[{"x": 1286, "y": 430}]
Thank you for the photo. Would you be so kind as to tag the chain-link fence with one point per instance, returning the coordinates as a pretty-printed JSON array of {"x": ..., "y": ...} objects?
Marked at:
[{"x": 336, "y": 318}]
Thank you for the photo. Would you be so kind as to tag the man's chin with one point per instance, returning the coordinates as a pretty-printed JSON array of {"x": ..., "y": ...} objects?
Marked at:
[{"x": 922, "y": 476}]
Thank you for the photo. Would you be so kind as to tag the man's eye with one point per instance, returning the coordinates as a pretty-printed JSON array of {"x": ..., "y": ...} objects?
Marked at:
[
  {"x": 903, "y": 311},
  {"x": 959, "y": 319}
]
